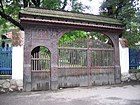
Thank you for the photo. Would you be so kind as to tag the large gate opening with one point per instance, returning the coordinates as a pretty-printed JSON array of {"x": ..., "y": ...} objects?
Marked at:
[
  {"x": 40, "y": 68},
  {"x": 86, "y": 61}
]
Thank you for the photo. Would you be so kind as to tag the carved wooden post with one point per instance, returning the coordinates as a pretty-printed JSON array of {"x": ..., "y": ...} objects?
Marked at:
[
  {"x": 117, "y": 60},
  {"x": 55, "y": 35},
  {"x": 54, "y": 67},
  {"x": 89, "y": 60},
  {"x": 27, "y": 61},
  {"x": 115, "y": 39}
]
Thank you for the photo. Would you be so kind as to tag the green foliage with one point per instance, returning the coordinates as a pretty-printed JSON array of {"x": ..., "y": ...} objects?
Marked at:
[
  {"x": 51, "y": 4},
  {"x": 12, "y": 8},
  {"x": 73, "y": 35},
  {"x": 97, "y": 35},
  {"x": 78, "y": 6},
  {"x": 134, "y": 71},
  {"x": 5, "y": 26},
  {"x": 44, "y": 50},
  {"x": 127, "y": 12}
]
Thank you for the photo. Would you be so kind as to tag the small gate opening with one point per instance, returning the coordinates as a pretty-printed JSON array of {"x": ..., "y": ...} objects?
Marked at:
[{"x": 40, "y": 68}]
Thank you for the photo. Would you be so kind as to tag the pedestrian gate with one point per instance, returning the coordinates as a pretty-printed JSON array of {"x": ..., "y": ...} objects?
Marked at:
[{"x": 40, "y": 68}]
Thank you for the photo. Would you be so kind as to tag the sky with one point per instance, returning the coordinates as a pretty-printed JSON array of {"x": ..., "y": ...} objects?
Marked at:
[{"x": 94, "y": 5}]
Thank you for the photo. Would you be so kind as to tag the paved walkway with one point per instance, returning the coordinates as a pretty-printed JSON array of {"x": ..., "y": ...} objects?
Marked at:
[{"x": 105, "y": 95}]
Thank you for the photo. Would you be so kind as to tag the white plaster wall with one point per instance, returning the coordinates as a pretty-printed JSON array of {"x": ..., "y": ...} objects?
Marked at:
[
  {"x": 17, "y": 62},
  {"x": 124, "y": 59},
  {"x": 17, "y": 59}
]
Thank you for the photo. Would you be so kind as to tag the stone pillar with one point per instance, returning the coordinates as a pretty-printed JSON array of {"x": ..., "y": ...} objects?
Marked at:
[{"x": 27, "y": 62}]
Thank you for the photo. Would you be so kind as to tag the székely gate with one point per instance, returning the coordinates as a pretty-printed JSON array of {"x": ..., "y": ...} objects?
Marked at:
[{"x": 85, "y": 62}]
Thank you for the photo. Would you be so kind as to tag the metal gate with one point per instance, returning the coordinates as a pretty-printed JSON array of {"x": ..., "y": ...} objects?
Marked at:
[
  {"x": 40, "y": 68},
  {"x": 5, "y": 61},
  {"x": 134, "y": 59}
]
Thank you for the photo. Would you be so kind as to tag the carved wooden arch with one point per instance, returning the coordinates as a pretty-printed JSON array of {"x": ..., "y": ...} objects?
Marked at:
[
  {"x": 112, "y": 36},
  {"x": 36, "y": 50},
  {"x": 108, "y": 35},
  {"x": 45, "y": 28},
  {"x": 40, "y": 45}
]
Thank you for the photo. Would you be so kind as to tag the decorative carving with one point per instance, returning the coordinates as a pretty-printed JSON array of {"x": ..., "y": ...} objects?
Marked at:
[
  {"x": 46, "y": 33},
  {"x": 40, "y": 33},
  {"x": 48, "y": 36},
  {"x": 28, "y": 34},
  {"x": 55, "y": 33}
]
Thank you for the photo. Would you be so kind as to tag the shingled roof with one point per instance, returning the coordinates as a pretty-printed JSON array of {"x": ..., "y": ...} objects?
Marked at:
[
  {"x": 62, "y": 18},
  {"x": 69, "y": 15}
]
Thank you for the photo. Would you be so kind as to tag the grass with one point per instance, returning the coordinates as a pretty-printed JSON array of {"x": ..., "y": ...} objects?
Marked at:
[{"x": 134, "y": 71}]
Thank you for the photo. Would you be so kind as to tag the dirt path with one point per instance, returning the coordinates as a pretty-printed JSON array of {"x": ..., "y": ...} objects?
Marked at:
[{"x": 107, "y": 95}]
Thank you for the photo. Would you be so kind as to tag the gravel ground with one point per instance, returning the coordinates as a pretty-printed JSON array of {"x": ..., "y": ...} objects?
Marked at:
[{"x": 104, "y": 95}]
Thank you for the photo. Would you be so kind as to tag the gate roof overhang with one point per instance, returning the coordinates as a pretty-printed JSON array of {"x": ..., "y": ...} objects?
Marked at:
[{"x": 65, "y": 19}]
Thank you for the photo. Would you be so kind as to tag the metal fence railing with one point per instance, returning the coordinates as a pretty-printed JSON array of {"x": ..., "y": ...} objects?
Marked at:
[
  {"x": 5, "y": 61},
  {"x": 134, "y": 59}
]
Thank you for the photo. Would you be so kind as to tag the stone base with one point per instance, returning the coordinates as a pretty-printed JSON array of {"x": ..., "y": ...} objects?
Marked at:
[
  {"x": 128, "y": 77},
  {"x": 10, "y": 85}
]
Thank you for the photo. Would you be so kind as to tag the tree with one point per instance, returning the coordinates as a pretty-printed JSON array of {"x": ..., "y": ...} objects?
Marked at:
[
  {"x": 72, "y": 36},
  {"x": 9, "y": 10},
  {"x": 127, "y": 12}
]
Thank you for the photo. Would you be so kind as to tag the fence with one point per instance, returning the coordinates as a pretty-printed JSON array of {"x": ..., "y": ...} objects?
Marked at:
[
  {"x": 5, "y": 61},
  {"x": 134, "y": 58}
]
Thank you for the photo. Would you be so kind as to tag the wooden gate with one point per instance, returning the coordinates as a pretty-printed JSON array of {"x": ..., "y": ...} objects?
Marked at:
[
  {"x": 40, "y": 68},
  {"x": 86, "y": 62}
]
